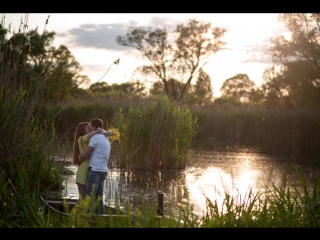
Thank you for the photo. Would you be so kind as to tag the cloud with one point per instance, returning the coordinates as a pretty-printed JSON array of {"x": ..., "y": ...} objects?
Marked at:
[
  {"x": 257, "y": 53},
  {"x": 103, "y": 36},
  {"x": 167, "y": 22},
  {"x": 100, "y": 36}
]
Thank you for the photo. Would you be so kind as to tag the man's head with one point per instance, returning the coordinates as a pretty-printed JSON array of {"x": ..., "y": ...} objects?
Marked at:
[{"x": 95, "y": 123}]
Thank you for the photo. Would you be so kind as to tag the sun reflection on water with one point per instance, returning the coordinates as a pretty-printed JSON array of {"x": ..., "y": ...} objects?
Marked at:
[
  {"x": 215, "y": 182},
  {"x": 212, "y": 175}
]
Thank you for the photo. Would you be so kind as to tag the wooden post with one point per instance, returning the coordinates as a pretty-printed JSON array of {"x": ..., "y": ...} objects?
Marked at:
[{"x": 160, "y": 203}]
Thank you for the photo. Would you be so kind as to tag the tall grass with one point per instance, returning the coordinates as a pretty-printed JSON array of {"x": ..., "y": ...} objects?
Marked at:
[
  {"x": 284, "y": 206},
  {"x": 26, "y": 146},
  {"x": 287, "y": 132},
  {"x": 66, "y": 116},
  {"x": 157, "y": 136}
]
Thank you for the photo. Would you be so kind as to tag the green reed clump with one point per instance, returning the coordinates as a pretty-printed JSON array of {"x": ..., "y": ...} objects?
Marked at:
[{"x": 155, "y": 136}]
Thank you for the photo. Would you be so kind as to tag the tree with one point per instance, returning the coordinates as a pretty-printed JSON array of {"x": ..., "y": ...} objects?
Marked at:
[
  {"x": 192, "y": 46},
  {"x": 53, "y": 71},
  {"x": 299, "y": 60},
  {"x": 28, "y": 53},
  {"x": 64, "y": 77},
  {"x": 203, "y": 89},
  {"x": 173, "y": 88},
  {"x": 197, "y": 94},
  {"x": 98, "y": 87},
  {"x": 238, "y": 86},
  {"x": 132, "y": 88}
]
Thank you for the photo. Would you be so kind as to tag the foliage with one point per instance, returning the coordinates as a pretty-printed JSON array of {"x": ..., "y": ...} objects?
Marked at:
[
  {"x": 198, "y": 94},
  {"x": 26, "y": 145},
  {"x": 297, "y": 81},
  {"x": 134, "y": 88},
  {"x": 157, "y": 136},
  {"x": 227, "y": 100},
  {"x": 53, "y": 71},
  {"x": 238, "y": 86},
  {"x": 64, "y": 78},
  {"x": 203, "y": 88},
  {"x": 287, "y": 132}
]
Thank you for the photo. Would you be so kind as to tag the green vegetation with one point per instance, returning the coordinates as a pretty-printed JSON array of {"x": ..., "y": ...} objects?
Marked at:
[
  {"x": 286, "y": 132},
  {"x": 157, "y": 132},
  {"x": 157, "y": 136},
  {"x": 26, "y": 146}
]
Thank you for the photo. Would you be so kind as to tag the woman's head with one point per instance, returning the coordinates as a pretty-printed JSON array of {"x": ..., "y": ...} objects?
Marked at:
[{"x": 82, "y": 129}]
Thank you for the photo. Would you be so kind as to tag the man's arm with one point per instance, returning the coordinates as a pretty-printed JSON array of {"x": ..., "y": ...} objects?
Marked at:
[{"x": 85, "y": 154}]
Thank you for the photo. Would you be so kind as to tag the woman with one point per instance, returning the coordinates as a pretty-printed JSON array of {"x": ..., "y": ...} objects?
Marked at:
[{"x": 80, "y": 143}]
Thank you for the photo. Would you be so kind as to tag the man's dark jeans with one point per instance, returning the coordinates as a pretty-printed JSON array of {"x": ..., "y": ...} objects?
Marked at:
[{"x": 95, "y": 185}]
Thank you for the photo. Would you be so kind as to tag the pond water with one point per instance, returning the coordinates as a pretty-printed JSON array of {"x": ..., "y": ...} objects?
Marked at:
[{"x": 209, "y": 174}]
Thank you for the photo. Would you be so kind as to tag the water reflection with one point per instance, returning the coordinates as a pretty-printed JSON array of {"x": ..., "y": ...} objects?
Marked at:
[{"x": 210, "y": 174}]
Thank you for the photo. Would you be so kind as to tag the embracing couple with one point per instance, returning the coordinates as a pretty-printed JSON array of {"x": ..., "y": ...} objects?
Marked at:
[{"x": 91, "y": 152}]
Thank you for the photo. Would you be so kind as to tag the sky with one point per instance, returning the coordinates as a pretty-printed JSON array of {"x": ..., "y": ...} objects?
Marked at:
[{"x": 91, "y": 40}]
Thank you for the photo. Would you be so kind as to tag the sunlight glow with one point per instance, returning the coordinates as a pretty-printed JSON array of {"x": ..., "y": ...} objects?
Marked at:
[
  {"x": 215, "y": 183},
  {"x": 248, "y": 37}
]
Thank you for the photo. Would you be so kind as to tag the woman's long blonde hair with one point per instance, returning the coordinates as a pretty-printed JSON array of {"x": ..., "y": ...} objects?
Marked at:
[{"x": 81, "y": 131}]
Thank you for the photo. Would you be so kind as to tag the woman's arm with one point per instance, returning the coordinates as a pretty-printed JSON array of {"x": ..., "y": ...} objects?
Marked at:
[{"x": 99, "y": 130}]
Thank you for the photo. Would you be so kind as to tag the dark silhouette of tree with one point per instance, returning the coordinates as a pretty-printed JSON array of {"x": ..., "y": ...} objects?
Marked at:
[
  {"x": 298, "y": 80},
  {"x": 203, "y": 88},
  {"x": 174, "y": 88},
  {"x": 198, "y": 94},
  {"x": 54, "y": 71},
  {"x": 65, "y": 75},
  {"x": 190, "y": 50},
  {"x": 239, "y": 86},
  {"x": 128, "y": 88},
  {"x": 99, "y": 87}
]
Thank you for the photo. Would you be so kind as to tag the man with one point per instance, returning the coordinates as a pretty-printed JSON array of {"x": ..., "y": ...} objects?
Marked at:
[{"x": 99, "y": 151}]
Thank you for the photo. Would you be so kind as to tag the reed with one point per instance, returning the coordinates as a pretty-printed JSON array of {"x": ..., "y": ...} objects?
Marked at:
[
  {"x": 287, "y": 132},
  {"x": 26, "y": 145},
  {"x": 156, "y": 136}
]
